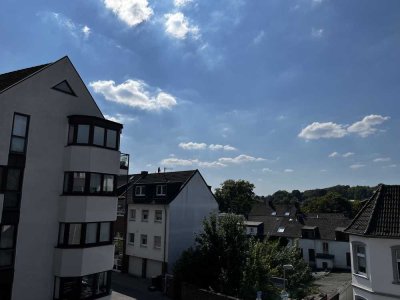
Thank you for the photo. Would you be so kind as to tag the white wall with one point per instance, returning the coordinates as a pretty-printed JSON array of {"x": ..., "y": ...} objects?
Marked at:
[
  {"x": 379, "y": 268},
  {"x": 43, "y": 178},
  {"x": 187, "y": 212}
]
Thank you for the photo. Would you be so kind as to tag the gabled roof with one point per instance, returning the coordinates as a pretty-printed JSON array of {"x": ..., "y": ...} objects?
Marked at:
[
  {"x": 8, "y": 79},
  {"x": 262, "y": 209},
  {"x": 380, "y": 216}
]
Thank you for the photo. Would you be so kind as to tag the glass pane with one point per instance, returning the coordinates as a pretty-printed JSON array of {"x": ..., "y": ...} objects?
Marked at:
[
  {"x": 98, "y": 136},
  {"x": 143, "y": 239},
  {"x": 11, "y": 200},
  {"x": 5, "y": 257},
  {"x": 361, "y": 264},
  {"x": 91, "y": 233},
  {"x": 13, "y": 179},
  {"x": 101, "y": 283},
  {"x": 105, "y": 232},
  {"x": 361, "y": 249},
  {"x": 398, "y": 270},
  {"x": 83, "y": 134},
  {"x": 68, "y": 288},
  {"x": 108, "y": 185},
  {"x": 61, "y": 234},
  {"x": 67, "y": 177},
  {"x": 71, "y": 134},
  {"x": 132, "y": 238},
  {"x": 79, "y": 182},
  {"x": 74, "y": 237},
  {"x": 87, "y": 285},
  {"x": 20, "y": 124},
  {"x": 95, "y": 183},
  {"x": 111, "y": 138},
  {"x": 18, "y": 144},
  {"x": 157, "y": 242},
  {"x": 57, "y": 288},
  {"x": 7, "y": 236},
  {"x": 397, "y": 254}
]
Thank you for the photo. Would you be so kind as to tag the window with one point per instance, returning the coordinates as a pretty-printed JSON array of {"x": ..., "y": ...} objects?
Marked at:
[
  {"x": 13, "y": 179},
  {"x": 19, "y": 133},
  {"x": 64, "y": 87},
  {"x": 89, "y": 183},
  {"x": 98, "y": 136},
  {"x": 143, "y": 240},
  {"x": 95, "y": 183},
  {"x": 111, "y": 138},
  {"x": 157, "y": 242},
  {"x": 132, "y": 214},
  {"x": 281, "y": 229},
  {"x": 131, "y": 239},
  {"x": 86, "y": 287},
  {"x": 325, "y": 248},
  {"x": 161, "y": 190},
  {"x": 396, "y": 263},
  {"x": 158, "y": 216},
  {"x": 82, "y": 136},
  {"x": 91, "y": 233},
  {"x": 108, "y": 183},
  {"x": 78, "y": 183},
  {"x": 7, "y": 235},
  {"x": 3, "y": 174},
  {"x": 74, "y": 235},
  {"x": 139, "y": 190},
  {"x": 145, "y": 215},
  {"x": 105, "y": 232},
  {"x": 360, "y": 262},
  {"x": 77, "y": 235},
  {"x": 11, "y": 199}
]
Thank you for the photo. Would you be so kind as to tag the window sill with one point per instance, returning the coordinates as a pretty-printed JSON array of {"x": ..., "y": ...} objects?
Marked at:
[{"x": 361, "y": 275}]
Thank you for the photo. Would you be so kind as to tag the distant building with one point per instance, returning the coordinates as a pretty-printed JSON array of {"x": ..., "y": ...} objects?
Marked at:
[
  {"x": 375, "y": 246},
  {"x": 165, "y": 211},
  {"x": 59, "y": 161},
  {"x": 320, "y": 237}
]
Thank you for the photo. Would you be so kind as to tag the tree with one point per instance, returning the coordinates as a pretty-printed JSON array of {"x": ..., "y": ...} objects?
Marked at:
[
  {"x": 235, "y": 196},
  {"x": 330, "y": 203}
]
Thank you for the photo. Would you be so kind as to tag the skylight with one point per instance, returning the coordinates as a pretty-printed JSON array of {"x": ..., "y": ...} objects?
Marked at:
[{"x": 281, "y": 229}]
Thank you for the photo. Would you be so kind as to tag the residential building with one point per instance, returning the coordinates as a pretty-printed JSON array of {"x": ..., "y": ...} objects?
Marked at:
[
  {"x": 319, "y": 236},
  {"x": 59, "y": 161},
  {"x": 165, "y": 211},
  {"x": 375, "y": 246}
]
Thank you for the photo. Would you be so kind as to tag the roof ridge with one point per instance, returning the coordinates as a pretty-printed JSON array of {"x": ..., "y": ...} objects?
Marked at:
[{"x": 378, "y": 196}]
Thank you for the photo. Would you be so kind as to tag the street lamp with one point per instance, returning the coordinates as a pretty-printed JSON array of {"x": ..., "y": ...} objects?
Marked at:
[{"x": 284, "y": 294}]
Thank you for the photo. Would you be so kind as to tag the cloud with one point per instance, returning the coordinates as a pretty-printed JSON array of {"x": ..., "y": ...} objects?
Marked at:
[
  {"x": 215, "y": 147},
  {"x": 120, "y": 118},
  {"x": 134, "y": 93},
  {"x": 181, "y": 3},
  {"x": 212, "y": 164},
  {"x": 266, "y": 170},
  {"x": 193, "y": 146},
  {"x": 259, "y": 37},
  {"x": 317, "y": 33},
  {"x": 178, "y": 162},
  {"x": 326, "y": 130},
  {"x": 357, "y": 166},
  {"x": 131, "y": 12},
  {"x": 348, "y": 154},
  {"x": 363, "y": 128},
  {"x": 178, "y": 26},
  {"x": 86, "y": 31},
  {"x": 392, "y": 166},
  {"x": 288, "y": 170},
  {"x": 382, "y": 159},
  {"x": 242, "y": 158},
  {"x": 334, "y": 154}
]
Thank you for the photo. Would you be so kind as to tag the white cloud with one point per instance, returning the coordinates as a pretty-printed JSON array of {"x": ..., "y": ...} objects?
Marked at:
[
  {"x": 178, "y": 26},
  {"x": 242, "y": 158},
  {"x": 382, "y": 159},
  {"x": 357, "y": 166},
  {"x": 288, "y": 170},
  {"x": 326, "y": 130},
  {"x": 193, "y": 146},
  {"x": 392, "y": 166},
  {"x": 365, "y": 127},
  {"x": 134, "y": 93},
  {"x": 348, "y": 154},
  {"x": 178, "y": 162},
  {"x": 131, "y": 12},
  {"x": 259, "y": 37},
  {"x": 334, "y": 154},
  {"x": 317, "y": 33},
  {"x": 266, "y": 170},
  {"x": 120, "y": 118},
  {"x": 86, "y": 31},
  {"x": 181, "y": 3},
  {"x": 215, "y": 147},
  {"x": 212, "y": 164}
]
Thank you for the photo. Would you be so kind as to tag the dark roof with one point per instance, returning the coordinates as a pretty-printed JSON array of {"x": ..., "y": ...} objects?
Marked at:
[
  {"x": 262, "y": 209},
  {"x": 380, "y": 216},
  {"x": 8, "y": 79},
  {"x": 175, "y": 181}
]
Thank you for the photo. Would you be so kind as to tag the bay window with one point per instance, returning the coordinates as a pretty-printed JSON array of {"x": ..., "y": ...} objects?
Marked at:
[
  {"x": 80, "y": 235},
  {"x": 89, "y": 183}
]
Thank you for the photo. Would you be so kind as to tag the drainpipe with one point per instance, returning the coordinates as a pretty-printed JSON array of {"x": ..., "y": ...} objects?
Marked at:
[{"x": 164, "y": 268}]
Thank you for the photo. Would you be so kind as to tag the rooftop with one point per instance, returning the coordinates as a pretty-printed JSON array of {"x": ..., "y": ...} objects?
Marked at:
[{"x": 8, "y": 79}]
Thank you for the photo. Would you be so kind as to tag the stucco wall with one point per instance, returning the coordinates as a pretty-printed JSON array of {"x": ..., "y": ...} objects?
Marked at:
[{"x": 187, "y": 212}]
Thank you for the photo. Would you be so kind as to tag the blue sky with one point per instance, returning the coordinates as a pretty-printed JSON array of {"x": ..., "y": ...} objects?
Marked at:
[{"x": 286, "y": 94}]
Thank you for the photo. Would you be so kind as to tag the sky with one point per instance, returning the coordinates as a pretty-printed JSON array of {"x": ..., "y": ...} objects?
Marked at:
[{"x": 287, "y": 94}]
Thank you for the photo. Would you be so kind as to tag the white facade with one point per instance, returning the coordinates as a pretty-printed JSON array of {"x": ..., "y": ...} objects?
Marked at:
[
  {"x": 38, "y": 259},
  {"x": 378, "y": 282},
  {"x": 181, "y": 220}
]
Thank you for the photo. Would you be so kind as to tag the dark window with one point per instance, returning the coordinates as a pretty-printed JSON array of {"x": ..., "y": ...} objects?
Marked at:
[
  {"x": 143, "y": 240},
  {"x": 111, "y": 138},
  {"x": 325, "y": 247},
  {"x": 161, "y": 190},
  {"x": 105, "y": 232},
  {"x": 158, "y": 216},
  {"x": 145, "y": 215},
  {"x": 78, "y": 183},
  {"x": 89, "y": 183},
  {"x": 91, "y": 233},
  {"x": 98, "y": 136},
  {"x": 77, "y": 235},
  {"x": 140, "y": 190},
  {"x": 13, "y": 179},
  {"x": 7, "y": 240},
  {"x": 11, "y": 200},
  {"x": 108, "y": 183},
  {"x": 64, "y": 87},
  {"x": 19, "y": 133},
  {"x": 95, "y": 183},
  {"x": 82, "y": 136},
  {"x": 348, "y": 260},
  {"x": 132, "y": 238},
  {"x": 74, "y": 234},
  {"x": 396, "y": 263},
  {"x": 311, "y": 255}
]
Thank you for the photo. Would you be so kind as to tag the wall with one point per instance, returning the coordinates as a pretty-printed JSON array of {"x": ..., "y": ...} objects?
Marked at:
[
  {"x": 379, "y": 268},
  {"x": 187, "y": 212},
  {"x": 43, "y": 178}
]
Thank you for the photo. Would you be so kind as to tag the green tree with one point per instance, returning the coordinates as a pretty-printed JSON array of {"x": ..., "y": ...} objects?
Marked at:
[
  {"x": 330, "y": 203},
  {"x": 235, "y": 196}
]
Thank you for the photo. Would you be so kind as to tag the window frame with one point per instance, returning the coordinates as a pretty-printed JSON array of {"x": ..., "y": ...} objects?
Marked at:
[
  {"x": 11, "y": 249},
  {"x": 130, "y": 242},
  {"x": 132, "y": 210},
  {"x": 154, "y": 242},
  {"x": 141, "y": 189},
  {"x": 141, "y": 239},
  {"x": 396, "y": 263},
  {"x": 158, "y": 220},
  {"x": 63, "y": 235},
  {"x": 356, "y": 256},
  {"x": 148, "y": 215},
  {"x": 18, "y": 136},
  {"x": 69, "y": 182},
  {"x": 161, "y": 190},
  {"x": 325, "y": 247}
]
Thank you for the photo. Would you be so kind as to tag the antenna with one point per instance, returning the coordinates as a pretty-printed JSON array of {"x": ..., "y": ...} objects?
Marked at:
[{"x": 165, "y": 169}]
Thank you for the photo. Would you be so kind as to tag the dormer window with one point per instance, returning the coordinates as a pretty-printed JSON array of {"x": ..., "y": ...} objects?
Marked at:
[
  {"x": 139, "y": 190},
  {"x": 161, "y": 190},
  {"x": 273, "y": 213},
  {"x": 281, "y": 229}
]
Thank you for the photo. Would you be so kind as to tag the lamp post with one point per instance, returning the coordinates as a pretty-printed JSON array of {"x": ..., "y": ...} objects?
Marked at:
[{"x": 284, "y": 294}]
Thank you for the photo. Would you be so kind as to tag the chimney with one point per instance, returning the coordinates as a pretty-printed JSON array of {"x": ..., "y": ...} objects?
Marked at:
[
  {"x": 144, "y": 173},
  {"x": 159, "y": 170}
]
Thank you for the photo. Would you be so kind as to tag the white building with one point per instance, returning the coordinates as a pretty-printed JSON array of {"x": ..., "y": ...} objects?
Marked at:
[
  {"x": 375, "y": 246},
  {"x": 59, "y": 160},
  {"x": 165, "y": 211}
]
